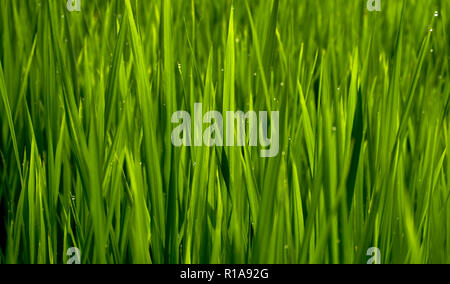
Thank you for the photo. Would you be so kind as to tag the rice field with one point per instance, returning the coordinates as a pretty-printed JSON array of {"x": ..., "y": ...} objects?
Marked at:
[{"x": 88, "y": 163}]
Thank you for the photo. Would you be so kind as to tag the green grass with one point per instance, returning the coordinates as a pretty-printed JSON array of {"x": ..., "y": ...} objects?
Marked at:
[{"x": 86, "y": 158}]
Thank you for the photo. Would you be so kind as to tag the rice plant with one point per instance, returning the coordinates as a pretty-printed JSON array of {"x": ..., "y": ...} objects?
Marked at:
[{"x": 86, "y": 105}]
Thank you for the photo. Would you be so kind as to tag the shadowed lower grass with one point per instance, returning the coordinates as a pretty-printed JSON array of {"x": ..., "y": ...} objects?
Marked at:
[{"x": 86, "y": 158}]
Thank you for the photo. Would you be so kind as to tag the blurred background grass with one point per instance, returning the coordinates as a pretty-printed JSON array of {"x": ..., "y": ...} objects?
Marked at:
[{"x": 86, "y": 158}]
